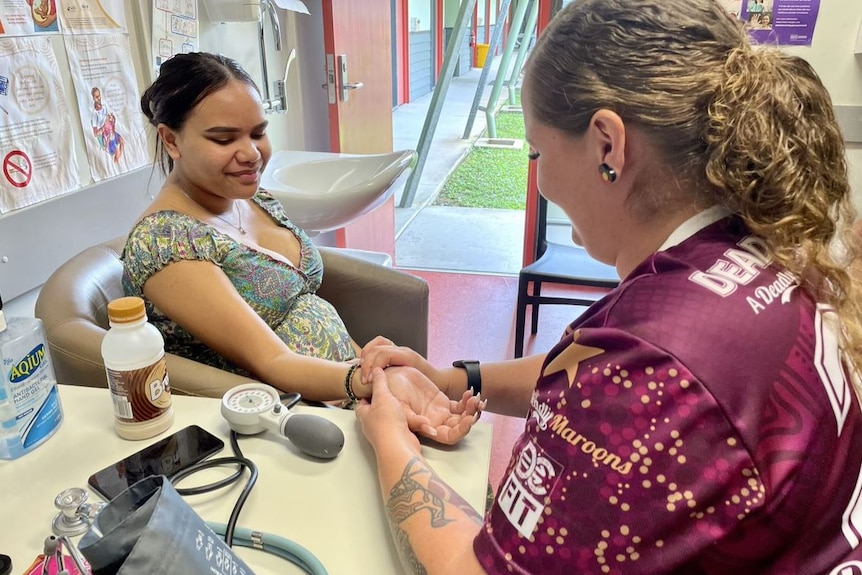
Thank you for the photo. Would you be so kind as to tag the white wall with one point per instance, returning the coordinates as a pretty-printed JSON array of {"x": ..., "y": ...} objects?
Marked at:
[
  {"x": 311, "y": 65},
  {"x": 831, "y": 54},
  {"x": 419, "y": 15}
]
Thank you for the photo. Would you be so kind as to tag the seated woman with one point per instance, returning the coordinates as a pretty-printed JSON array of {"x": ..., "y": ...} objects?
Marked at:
[{"x": 226, "y": 277}]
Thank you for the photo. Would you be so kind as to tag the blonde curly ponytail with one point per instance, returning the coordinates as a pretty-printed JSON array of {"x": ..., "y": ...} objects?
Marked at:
[{"x": 777, "y": 157}]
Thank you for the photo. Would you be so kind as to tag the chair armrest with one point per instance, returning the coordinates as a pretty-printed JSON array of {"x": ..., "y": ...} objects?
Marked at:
[
  {"x": 376, "y": 300},
  {"x": 76, "y": 357},
  {"x": 189, "y": 377},
  {"x": 75, "y": 346}
]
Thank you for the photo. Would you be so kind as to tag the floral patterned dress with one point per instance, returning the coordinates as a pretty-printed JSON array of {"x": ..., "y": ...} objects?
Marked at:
[{"x": 281, "y": 294}]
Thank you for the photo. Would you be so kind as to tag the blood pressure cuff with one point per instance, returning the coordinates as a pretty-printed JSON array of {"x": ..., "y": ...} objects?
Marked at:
[{"x": 149, "y": 528}]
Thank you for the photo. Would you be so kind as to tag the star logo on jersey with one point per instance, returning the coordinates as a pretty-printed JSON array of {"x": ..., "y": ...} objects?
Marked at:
[{"x": 570, "y": 359}]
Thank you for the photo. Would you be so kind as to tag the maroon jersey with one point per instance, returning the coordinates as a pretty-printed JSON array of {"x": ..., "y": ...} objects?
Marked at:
[{"x": 700, "y": 419}]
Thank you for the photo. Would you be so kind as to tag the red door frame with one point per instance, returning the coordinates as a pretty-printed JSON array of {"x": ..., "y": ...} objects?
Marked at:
[
  {"x": 403, "y": 29},
  {"x": 329, "y": 48},
  {"x": 532, "y": 207},
  {"x": 402, "y": 48}
]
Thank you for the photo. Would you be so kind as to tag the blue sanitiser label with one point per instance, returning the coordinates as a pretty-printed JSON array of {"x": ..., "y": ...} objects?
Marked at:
[
  {"x": 45, "y": 420},
  {"x": 30, "y": 384}
]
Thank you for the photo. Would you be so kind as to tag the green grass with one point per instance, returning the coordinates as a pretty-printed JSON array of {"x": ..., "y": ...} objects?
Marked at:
[{"x": 491, "y": 177}]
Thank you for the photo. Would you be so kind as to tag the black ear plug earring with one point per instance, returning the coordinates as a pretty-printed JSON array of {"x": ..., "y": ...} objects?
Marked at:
[{"x": 608, "y": 173}]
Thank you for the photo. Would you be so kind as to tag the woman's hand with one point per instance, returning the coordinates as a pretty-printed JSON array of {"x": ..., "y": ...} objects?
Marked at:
[
  {"x": 422, "y": 408},
  {"x": 382, "y": 352},
  {"x": 383, "y": 417},
  {"x": 427, "y": 410}
]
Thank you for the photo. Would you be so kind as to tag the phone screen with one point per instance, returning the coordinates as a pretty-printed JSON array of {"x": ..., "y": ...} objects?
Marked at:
[{"x": 165, "y": 457}]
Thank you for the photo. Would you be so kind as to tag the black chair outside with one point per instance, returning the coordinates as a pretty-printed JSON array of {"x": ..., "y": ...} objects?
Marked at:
[{"x": 559, "y": 264}]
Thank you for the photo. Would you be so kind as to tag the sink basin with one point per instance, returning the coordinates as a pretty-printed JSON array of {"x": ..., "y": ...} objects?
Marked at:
[{"x": 323, "y": 191}]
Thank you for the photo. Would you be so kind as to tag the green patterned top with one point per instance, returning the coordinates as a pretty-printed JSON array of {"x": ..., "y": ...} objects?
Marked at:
[{"x": 281, "y": 294}]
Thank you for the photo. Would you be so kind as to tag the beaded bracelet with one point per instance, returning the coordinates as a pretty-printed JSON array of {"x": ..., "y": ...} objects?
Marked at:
[{"x": 348, "y": 383}]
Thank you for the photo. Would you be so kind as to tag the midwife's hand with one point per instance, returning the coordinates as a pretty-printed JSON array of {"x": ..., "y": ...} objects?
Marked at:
[
  {"x": 428, "y": 411},
  {"x": 382, "y": 352},
  {"x": 383, "y": 418}
]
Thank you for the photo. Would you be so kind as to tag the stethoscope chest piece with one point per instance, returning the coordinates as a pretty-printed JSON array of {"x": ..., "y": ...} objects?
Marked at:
[{"x": 75, "y": 513}]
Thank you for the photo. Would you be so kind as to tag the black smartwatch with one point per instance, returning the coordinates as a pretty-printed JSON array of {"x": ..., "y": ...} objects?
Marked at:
[{"x": 474, "y": 376}]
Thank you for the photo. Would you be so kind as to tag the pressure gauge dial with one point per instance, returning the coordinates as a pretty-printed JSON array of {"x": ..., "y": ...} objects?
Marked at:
[{"x": 243, "y": 405}]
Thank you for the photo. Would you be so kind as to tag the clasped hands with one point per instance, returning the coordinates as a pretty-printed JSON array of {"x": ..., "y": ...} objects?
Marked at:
[{"x": 406, "y": 396}]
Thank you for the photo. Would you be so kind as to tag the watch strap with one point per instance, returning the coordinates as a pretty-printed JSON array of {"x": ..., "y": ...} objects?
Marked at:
[{"x": 474, "y": 376}]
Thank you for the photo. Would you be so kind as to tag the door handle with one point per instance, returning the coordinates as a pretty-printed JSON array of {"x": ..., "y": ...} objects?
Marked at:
[{"x": 346, "y": 86}]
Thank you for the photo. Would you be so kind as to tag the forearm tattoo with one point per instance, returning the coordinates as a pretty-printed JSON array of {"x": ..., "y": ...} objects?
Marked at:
[{"x": 410, "y": 496}]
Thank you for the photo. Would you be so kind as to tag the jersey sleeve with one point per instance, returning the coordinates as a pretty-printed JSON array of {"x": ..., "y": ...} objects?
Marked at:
[
  {"x": 160, "y": 239},
  {"x": 627, "y": 466}
]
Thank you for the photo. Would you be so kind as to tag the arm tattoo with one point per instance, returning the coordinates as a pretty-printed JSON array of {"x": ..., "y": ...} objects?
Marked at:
[
  {"x": 409, "y": 496},
  {"x": 405, "y": 550}
]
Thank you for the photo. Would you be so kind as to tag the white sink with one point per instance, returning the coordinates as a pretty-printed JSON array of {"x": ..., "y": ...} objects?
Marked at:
[{"x": 323, "y": 191}]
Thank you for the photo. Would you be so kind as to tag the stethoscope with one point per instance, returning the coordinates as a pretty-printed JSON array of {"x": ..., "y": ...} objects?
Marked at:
[
  {"x": 249, "y": 409},
  {"x": 74, "y": 518}
]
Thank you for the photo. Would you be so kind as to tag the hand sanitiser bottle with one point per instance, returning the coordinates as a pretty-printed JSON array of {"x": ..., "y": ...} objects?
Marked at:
[
  {"x": 30, "y": 410},
  {"x": 134, "y": 355}
]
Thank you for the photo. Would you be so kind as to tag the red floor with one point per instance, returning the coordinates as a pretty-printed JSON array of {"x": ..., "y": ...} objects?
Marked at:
[{"x": 473, "y": 317}]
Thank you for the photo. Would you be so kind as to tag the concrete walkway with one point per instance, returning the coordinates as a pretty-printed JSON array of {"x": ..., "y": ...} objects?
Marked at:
[{"x": 445, "y": 237}]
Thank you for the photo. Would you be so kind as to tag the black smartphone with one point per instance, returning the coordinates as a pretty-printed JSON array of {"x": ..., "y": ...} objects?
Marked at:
[{"x": 164, "y": 457}]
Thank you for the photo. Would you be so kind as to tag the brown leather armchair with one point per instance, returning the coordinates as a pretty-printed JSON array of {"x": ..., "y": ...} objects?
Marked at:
[{"x": 371, "y": 299}]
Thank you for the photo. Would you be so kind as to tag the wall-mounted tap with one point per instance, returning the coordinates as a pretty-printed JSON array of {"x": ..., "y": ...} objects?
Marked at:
[
  {"x": 268, "y": 9},
  {"x": 278, "y": 101}
]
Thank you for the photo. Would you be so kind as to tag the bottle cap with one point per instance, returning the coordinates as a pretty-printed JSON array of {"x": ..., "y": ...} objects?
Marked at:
[{"x": 126, "y": 309}]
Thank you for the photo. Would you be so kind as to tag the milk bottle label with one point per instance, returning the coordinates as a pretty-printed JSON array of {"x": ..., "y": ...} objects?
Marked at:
[{"x": 140, "y": 394}]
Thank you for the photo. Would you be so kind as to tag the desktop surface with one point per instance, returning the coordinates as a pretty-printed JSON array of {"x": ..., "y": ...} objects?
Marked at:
[{"x": 331, "y": 507}]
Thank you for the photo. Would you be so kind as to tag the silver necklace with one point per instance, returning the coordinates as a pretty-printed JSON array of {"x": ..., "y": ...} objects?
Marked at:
[{"x": 228, "y": 222}]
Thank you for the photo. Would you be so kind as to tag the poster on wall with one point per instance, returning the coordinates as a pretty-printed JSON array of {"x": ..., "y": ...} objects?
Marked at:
[
  {"x": 93, "y": 16},
  {"x": 175, "y": 29},
  {"x": 778, "y": 22},
  {"x": 37, "y": 154},
  {"x": 28, "y": 17},
  {"x": 108, "y": 103}
]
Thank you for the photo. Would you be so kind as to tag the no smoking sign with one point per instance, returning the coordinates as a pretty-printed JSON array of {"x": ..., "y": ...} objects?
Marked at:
[{"x": 17, "y": 168}]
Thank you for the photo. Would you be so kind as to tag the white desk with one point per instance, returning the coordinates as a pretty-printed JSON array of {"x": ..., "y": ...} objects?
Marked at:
[{"x": 332, "y": 507}]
